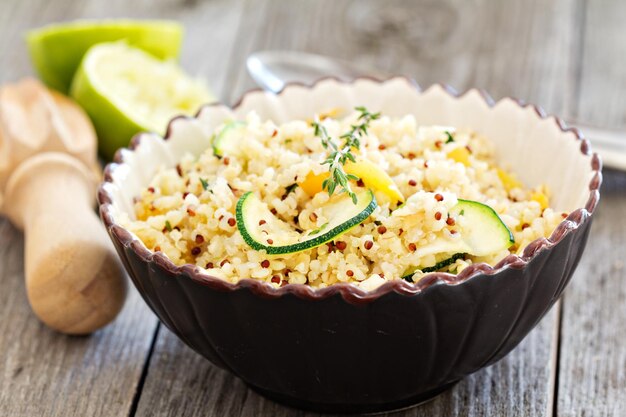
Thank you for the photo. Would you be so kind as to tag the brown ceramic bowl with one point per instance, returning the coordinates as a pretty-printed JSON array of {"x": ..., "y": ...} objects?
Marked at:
[{"x": 341, "y": 349}]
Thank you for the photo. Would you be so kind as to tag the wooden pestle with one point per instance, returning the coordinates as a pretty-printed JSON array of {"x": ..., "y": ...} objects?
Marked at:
[{"x": 74, "y": 280}]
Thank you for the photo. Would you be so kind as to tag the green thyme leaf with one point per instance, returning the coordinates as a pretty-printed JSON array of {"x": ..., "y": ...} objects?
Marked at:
[
  {"x": 339, "y": 156},
  {"x": 291, "y": 188}
]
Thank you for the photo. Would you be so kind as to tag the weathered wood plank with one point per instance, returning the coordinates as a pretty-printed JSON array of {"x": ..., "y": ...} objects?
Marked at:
[
  {"x": 45, "y": 373},
  {"x": 592, "y": 371},
  {"x": 42, "y": 372},
  {"x": 602, "y": 76},
  {"x": 506, "y": 49}
]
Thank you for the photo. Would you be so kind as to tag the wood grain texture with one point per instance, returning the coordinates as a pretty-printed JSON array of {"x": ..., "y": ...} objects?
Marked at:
[
  {"x": 592, "y": 373},
  {"x": 602, "y": 74},
  {"x": 43, "y": 372},
  {"x": 180, "y": 382},
  {"x": 46, "y": 373}
]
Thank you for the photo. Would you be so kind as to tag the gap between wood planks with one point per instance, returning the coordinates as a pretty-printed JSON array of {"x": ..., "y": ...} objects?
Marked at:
[
  {"x": 144, "y": 372},
  {"x": 556, "y": 358},
  {"x": 571, "y": 110}
]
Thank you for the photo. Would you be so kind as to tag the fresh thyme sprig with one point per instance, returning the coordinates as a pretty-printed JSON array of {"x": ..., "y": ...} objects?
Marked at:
[{"x": 338, "y": 156}]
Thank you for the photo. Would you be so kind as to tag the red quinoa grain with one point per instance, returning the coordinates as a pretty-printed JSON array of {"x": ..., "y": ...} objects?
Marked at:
[
  {"x": 341, "y": 245},
  {"x": 450, "y": 221},
  {"x": 368, "y": 244},
  {"x": 412, "y": 247},
  {"x": 232, "y": 222},
  {"x": 196, "y": 251},
  {"x": 265, "y": 264},
  {"x": 382, "y": 229},
  {"x": 438, "y": 197},
  {"x": 412, "y": 183},
  {"x": 349, "y": 273},
  {"x": 199, "y": 239},
  {"x": 438, "y": 215}
]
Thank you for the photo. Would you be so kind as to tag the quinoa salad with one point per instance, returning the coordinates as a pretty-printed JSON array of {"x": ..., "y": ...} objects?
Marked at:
[{"x": 345, "y": 197}]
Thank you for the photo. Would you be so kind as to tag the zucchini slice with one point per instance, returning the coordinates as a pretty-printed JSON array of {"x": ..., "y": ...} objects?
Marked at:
[
  {"x": 483, "y": 233},
  {"x": 228, "y": 140},
  {"x": 408, "y": 276},
  {"x": 262, "y": 230},
  {"x": 483, "y": 230}
]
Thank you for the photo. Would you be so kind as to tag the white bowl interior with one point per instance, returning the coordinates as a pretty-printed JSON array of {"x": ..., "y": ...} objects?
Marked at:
[{"x": 534, "y": 148}]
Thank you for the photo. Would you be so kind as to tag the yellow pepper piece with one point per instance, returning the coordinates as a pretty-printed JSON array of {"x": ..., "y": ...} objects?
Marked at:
[
  {"x": 371, "y": 174},
  {"x": 508, "y": 180},
  {"x": 374, "y": 177},
  {"x": 540, "y": 198},
  {"x": 312, "y": 184},
  {"x": 460, "y": 155}
]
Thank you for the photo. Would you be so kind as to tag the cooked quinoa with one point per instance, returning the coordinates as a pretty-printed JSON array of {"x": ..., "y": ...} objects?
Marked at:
[{"x": 188, "y": 212}]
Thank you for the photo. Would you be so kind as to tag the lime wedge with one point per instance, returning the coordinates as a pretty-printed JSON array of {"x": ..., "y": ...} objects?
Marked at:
[
  {"x": 126, "y": 90},
  {"x": 56, "y": 50}
]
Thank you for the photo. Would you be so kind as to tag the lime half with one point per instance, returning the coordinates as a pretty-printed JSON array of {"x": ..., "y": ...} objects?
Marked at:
[
  {"x": 56, "y": 50},
  {"x": 126, "y": 90}
]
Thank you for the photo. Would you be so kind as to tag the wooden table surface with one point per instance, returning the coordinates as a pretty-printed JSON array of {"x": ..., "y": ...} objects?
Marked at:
[{"x": 565, "y": 55}]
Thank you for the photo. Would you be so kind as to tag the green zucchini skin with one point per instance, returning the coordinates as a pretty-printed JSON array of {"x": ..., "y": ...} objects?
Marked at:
[
  {"x": 220, "y": 140},
  {"x": 436, "y": 267},
  {"x": 243, "y": 204},
  {"x": 498, "y": 236},
  {"x": 487, "y": 234},
  {"x": 491, "y": 212}
]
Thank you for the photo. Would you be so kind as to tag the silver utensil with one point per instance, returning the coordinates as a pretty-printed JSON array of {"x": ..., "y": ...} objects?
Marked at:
[{"x": 271, "y": 70}]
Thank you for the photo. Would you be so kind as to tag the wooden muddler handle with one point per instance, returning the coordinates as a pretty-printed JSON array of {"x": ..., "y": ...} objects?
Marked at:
[{"x": 74, "y": 279}]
